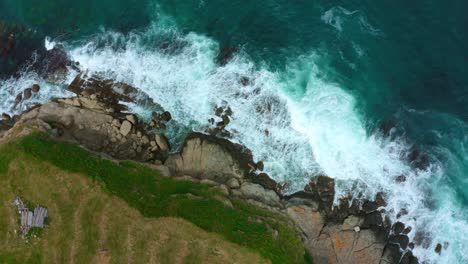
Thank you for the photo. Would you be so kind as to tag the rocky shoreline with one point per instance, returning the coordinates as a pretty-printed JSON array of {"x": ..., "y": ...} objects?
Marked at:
[{"x": 354, "y": 231}]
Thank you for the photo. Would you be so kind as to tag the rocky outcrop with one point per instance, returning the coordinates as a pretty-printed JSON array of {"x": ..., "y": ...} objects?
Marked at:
[
  {"x": 353, "y": 231},
  {"x": 208, "y": 157}
]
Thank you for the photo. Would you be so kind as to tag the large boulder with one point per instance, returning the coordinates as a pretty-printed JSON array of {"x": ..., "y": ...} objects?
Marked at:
[{"x": 205, "y": 156}]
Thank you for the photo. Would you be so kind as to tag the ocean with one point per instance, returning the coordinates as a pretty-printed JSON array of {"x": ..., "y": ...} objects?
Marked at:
[{"x": 366, "y": 92}]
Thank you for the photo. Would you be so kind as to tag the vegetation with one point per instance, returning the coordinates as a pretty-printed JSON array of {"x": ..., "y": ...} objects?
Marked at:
[{"x": 51, "y": 173}]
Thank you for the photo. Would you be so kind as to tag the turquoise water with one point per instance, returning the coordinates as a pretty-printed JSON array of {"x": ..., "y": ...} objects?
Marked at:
[{"x": 330, "y": 73}]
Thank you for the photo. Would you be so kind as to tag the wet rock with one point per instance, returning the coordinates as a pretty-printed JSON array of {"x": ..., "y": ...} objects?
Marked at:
[
  {"x": 19, "y": 98},
  {"x": 438, "y": 248},
  {"x": 260, "y": 166},
  {"x": 322, "y": 188},
  {"x": 369, "y": 206},
  {"x": 398, "y": 228},
  {"x": 408, "y": 258},
  {"x": 422, "y": 239},
  {"x": 245, "y": 81},
  {"x": 264, "y": 180},
  {"x": 125, "y": 128},
  {"x": 35, "y": 88},
  {"x": 373, "y": 220},
  {"x": 380, "y": 199},
  {"x": 166, "y": 116},
  {"x": 225, "y": 55},
  {"x": 6, "y": 117},
  {"x": 401, "y": 240},
  {"x": 27, "y": 93},
  {"x": 407, "y": 230},
  {"x": 418, "y": 159},
  {"x": 402, "y": 213},
  {"x": 400, "y": 178},
  {"x": 219, "y": 111}
]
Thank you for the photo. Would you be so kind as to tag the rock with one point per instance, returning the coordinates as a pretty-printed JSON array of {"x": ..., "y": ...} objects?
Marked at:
[
  {"x": 210, "y": 157},
  {"x": 125, "y": 128},
  {"x": 161, "y": 141},
  {"x": 380, "y": 200},
  {"x": 398, "y": 228},
  {"x": 116, "y": 123},
  {"x": 309, "y": 221},
  {"x": 351, "y": 222},
  {"x": 400, "y": 178},
  {"x": 373, "y": 220},
  {"x": 225, "y": 55},
  {"x": 145, "y": 140},
  {"x": 219, "y": 111},
  {"x": 27, "y": 93},
  {"x": 166, "y": 116},
  {"x": 407, "y": 230},
  {"x": 260, "y": 166},
  {"x": 233, "y": 183},
  {"x": 153, "y": 143},
  {"x": 19, "y": 98},
  {"x": 401, "y": 240},
  {"x": 131, "y": 118},
  {"x": 322, "y": 188},
  {"x": 257, "y": 192},
  {"x": 418, "y": 159},
  {"x": 6, "y": 117},
  {"x": 357, "y": 229},
  {"x": 35, "y": 88},
  {"x": 438, "y": 248},
  {"x": 245, "y": 81},
  {"x": 264, "y": 180}
]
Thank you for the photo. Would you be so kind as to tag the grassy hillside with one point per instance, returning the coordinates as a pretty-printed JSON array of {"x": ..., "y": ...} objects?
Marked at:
[{"x": 102, "y": 211}]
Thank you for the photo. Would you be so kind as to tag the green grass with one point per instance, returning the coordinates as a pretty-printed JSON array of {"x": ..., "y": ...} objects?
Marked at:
[{"x": 157, "y": 196}]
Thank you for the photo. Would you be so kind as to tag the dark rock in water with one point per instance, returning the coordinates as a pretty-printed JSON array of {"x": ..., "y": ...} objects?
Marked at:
[
  {"x": 6, "y": 117},
  {"x": 411, "y": 245},
  {"x": 225, "y": 55},
  {"x": 380, "y": 200},
  {"x": 418, "y": 159},
  {"x": 27, "y": 93},
  {"x": 400, "y": 178},
  {"x": 438, "y": 248},
  {"x": 19, "y": 98},
  {"x": 226, "y": 120},
  {"x": 228, "y": 111},
  {"x": 323, "y": 189},
  {"x": 211, "y": 121},
  {"x": 422, "y": 239},
  {"x": 387, "y": 127},
  {"x": 260, "y": 166},
  {"x": 402, "y": 213},
  {"x": 407, "y": 230},
  {"x": 219, "y": 111},
  {"x": 264, "y": 180},
  {"x": 166, "y": 116},
  {"x": 35, "y": 88},
  {"x": 373, "y": 220},
  {"x": 244, "y": 81},
  {"x": 401, "y": 240},
  {"x": 408, "y": 258},
  {"x": 398, "y": 228},
  {"x": 369, "y": 206}
]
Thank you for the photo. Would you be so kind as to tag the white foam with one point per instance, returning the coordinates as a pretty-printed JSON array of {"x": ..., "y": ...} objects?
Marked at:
[
  {"x": 312, "y": 129},
  {"x": 49, "y": 44}
]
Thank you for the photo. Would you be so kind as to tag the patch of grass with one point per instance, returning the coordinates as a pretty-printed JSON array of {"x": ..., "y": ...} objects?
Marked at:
[{"x": 157, "y": 196}]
